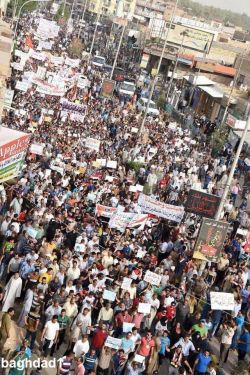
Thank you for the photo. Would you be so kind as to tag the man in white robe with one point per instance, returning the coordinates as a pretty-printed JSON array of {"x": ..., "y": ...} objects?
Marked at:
[
  {"x": 12, "y": 291},
  {"x": 26, "y": 306}
]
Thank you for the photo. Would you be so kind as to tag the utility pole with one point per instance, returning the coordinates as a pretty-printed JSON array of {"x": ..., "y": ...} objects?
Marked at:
[
  {"x": 96, "y": 26},
  {"x": 232, "y": 170},
  {"x": 118, "y": 50},
  {"x": 175, "y": 65},
  {"x": 82, "y": 19},
  {"x": 157, "y": 71},
  {"x": 231, "y": 91}
]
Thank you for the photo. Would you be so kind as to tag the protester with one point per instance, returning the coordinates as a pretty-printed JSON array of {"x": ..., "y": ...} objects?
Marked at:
[{"x": 111, "y": 261}]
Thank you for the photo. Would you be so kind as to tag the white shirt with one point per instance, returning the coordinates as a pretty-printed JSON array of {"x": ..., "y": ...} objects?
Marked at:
[
  {"x": 81, "y": 348},
  {"x": 50, "y": 330}
]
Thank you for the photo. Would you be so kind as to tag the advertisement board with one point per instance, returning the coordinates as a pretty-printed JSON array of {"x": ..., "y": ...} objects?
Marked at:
[{"x": 13, "y": 149}]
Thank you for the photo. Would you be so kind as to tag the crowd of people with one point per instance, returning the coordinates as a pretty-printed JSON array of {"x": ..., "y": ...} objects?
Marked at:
[{"x": 75, "y": 287}]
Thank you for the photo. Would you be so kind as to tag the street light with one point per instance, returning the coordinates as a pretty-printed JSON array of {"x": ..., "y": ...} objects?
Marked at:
[
  {"x": 157, "y": 70},
  {"x": 82, "y": 19},
  {"x": 118, "y": 50},
  {"x": 96, "y": 26},
  {"x": 20, "y": 10},
  {"x": 232, "y": 170}
]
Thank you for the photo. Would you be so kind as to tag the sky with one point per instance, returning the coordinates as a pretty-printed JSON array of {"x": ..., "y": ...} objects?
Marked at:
[{"x": 239, "y": 6}]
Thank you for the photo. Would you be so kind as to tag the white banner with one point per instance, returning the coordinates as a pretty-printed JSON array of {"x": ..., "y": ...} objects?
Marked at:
[
  {"x": 41, "y": 72},
  {"x": 113, "y": 343},
  {"x": 48, "y": 89},
  {"x": 17, "y": 66},
  {"x": 93, "y": 144},
  {"x": 47, "y": 29},
  {"x": 44, "y": 45},
  {"x": 144, "y": 308},
  {"x": 57, "y": 60},
  {"x": 122, "y": 220},
  {"x": 160, "y": 209},
  {"x": 72, "y": 62},
  {"x": 152, "y": 278},
  {"x": 36, "y": 149},
  {"x": 222, "y": 301},
  {"x": 22, "y": 85},
  {"x": 36, "y": 55},
  {"x": 104, "y": 211},
  {"x": 8, "y": 97}
]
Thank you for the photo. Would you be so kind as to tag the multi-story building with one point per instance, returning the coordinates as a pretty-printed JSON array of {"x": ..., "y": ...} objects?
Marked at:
[
  {"x": 162, "y": 9},
  {"x": 109, "y": 7}
]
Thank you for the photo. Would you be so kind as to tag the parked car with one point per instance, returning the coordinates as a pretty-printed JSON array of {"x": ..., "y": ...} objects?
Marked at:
[
  {"x": 98, "y": 61},
  {"x": 141, "y": 105},
  {"x": 126, "y": 88}
]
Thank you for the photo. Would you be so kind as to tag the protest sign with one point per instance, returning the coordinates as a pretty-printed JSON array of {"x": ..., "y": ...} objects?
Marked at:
[
  {"x": 144, "y": 308},
  {"x": 126, "y": 282},
  {"x": 8, "y": 97},
  {"x": 101, "y": 162},
  {"x": 211, "y": 237},
  {"x": 22, "y": 85},
  {"x": 160, "y": 209},
  {"x": 17, "y": 66},
  {"x": 72, "y": 62},
  {"x": 139, "y": 358},
  {"x": 44, "y": 45},
  {"x": 36, "y": 149},
  {"x": 104, "y": 211},
  {"x": 108, "y": 87},
  {"x": 71, "y": 107},
  {"x": 79, "y": 248},
  {"x": 41, "y": 72},
  {"x": 122, "y": 220},
  {"x": 222, "y": 301},
  {"x": 82, "y": 82},
  {"x": 93, "y": 144},
  {"x": 152, "y": 278},
  {"x": 202, "y": 203},
  {"x": 110, "y": 296},
  {"x": 48, "y": 89},
  {"x": 133, "y": 189},
  {"x": 139, "y": 187},
  {"x": 134, "y": 130},
  {"x": 57, "y": 60},
  {"x": 111, "y": 164},
  {"x": 127, "y": 327},
  {"x": 47, "y": 29},
  {"x": 113, "y": 343},
  {"x": 36, "y": 55},
  {"x": 32, "y": 232}
]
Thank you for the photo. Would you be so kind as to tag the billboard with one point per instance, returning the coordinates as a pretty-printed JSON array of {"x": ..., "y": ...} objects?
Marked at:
[
  {"x": 195, "y": 39},
  {"x": 12, "y": 156},
  {"x": 202, "y": 204},
  {"x": 210, "y": 241}
]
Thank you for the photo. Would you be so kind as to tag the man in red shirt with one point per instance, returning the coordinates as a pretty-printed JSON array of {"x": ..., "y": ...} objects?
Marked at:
[
  {"x": 99, "y": 337},
  {"x": 146, "y": 346},
  {"x": 120, "y": 318}
]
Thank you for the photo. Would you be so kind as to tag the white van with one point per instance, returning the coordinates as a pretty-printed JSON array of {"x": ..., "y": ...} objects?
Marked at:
[
  {"x": 141, "y": 105},
  {"x": 98, "y": 61},
  {"x": 126, "y": 88}
]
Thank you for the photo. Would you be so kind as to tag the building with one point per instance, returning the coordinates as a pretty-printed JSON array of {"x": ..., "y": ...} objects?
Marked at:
[
  {"x": 5, "y": 55},
  {"x": 3, "y": 7},
  {"x": 162, "y": 9},
  {"x": 109, "y": 7}
]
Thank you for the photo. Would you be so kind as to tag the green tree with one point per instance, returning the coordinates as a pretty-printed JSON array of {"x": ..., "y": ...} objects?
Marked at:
[
  {"x": 218, "y": 139},
  {"x": 76, "y": 48},
  {"x": 63, "y": 13}
]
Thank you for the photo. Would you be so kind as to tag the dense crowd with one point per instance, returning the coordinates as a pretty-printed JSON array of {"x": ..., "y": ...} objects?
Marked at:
[{"x": 73, "y": 286}]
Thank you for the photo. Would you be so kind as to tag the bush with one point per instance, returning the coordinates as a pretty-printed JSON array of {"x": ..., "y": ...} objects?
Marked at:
[
  {"x": 135, "y": 166},
  {"x": 218, "y": 139}
]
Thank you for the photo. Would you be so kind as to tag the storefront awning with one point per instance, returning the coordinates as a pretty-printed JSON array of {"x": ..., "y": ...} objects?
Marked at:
[
  {"x": 213, "y": 91},
  {"x": 199, "y": 80}
]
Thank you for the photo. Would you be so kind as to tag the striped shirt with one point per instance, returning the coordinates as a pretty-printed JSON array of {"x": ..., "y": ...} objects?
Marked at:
[{"x": 66, "y": 363}]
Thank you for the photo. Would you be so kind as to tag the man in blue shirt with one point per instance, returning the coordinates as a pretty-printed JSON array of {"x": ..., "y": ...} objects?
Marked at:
[
  {"x": 243, "y": 343},
  {"x": 202, "y": 362},
  {"x": 165, "y": 344},
  {"x": 127, "y": 343}
]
